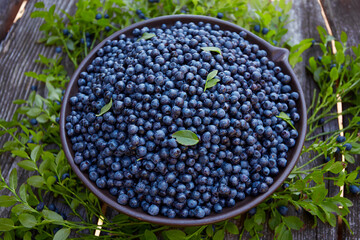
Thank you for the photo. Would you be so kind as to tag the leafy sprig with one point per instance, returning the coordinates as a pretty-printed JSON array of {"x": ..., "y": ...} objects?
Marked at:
[{"x": 211, "y": 81}]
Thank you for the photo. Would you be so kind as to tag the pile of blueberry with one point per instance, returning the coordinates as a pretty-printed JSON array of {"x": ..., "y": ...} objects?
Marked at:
[{"x": 156, "y": 87}]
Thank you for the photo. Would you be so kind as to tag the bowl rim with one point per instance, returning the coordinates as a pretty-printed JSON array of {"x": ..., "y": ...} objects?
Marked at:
[{"x": 279, "y": 55}]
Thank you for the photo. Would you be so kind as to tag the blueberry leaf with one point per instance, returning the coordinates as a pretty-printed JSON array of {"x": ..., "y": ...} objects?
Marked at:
[
  {"x": 211, "y": 75},
  {"x": 62, "y": 234},
  {"x": 211, "y": 49},
  {"x": 27, "y": 220},
  {"x": 7, "y": 201},
  {"x": 6, "y": 224},
  {"x": 211, "y": 83},
  {"x": 286, "y": 118},
  {"x": 293, "y": 222},
  {"x": 211, "y": 80},
  {"x": 186, "y": 137},
  {"x": 147, "y": 36},
  {"x": 105, "y": 108},
  {"x": 175, "y": 234},
  {"x": 149, "y": 235}
]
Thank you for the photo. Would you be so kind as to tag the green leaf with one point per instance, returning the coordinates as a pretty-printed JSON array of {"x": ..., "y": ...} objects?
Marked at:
[
  {"x": 211, "y": 49},
  {"x": 352, "y": 176},
  {"x": 70, "y": 45},
  {"x": 343, "y": 37},
  {"x": 319, "y": 194},
  {"x": 286, "y": 118},
  {"x": 317, "y": 176},
  {"x": 285, "y": 235},
  {"x": 62, "y": 234},
  {"x": 149, "y": 235},
  {"x": 13, "y": 179},
  {"x": 6, "y": 224},
  {"x": 105, "y": 108},
  {"x": 336, "y": 167},
  {"x": 27, "y": 165},
  {"x": 22, "y": 192},
  {"x": 7, "y": 201},
  {"x": 39, "y": 5},
  {"x": 34, "y": 112},
  {"x": 20, "y": 208},
  {"x": 20, "y": 153},
  {"x": 52, "y": 39},
  {"x": 334, "y": 75},
  {"x": 36, "y": 181},
  {"x": 27, "y": 236},
  {"x": 186, "y": 137},
  {"x": 219, "y": 235},
  {"x": 211, "y": 75},
  {"x": 232, "y": 228},
  {"x": 147, "y": 36},
  {"x": 210, "y": 83},
  {"x": 51, "y": 215},
  {"x": 293, "y": 222},
  {"x": 209, "y": 230},
  {"x": 175, "y": 234},
  {"x": 27, "y": 220}
]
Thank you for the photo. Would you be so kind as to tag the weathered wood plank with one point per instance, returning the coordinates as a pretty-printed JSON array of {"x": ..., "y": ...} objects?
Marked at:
[
  {"x": 343, "y": 16},
  {"x": 8, "y": 11}
]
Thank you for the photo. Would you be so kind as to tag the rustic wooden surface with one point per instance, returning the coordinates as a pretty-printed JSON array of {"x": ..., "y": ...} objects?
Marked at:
[{"x": 17, "y": 56}]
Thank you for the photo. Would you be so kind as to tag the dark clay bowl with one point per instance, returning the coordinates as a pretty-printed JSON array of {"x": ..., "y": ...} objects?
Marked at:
[{"x": 278, "y": 55}]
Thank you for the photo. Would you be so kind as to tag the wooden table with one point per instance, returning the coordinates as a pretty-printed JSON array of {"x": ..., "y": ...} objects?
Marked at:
[{"x": 19, "y": 50}]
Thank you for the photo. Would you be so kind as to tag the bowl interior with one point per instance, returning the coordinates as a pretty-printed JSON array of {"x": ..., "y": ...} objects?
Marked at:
[{"x": 278, "y": 55}]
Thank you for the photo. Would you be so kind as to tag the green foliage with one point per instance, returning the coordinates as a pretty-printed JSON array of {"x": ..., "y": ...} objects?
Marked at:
[
  {"x": 186, "y": 137},
  {"x": 105, "y": 108},
  {"x": 39, "y": 146},
  {"x": 211, "y": 81}
]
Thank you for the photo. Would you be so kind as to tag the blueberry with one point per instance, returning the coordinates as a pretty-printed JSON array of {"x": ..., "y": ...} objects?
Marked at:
[
  {"x": 66, "y": 31},
  {"x": 199, "y": 212},
  {"x": 354, "y": 189},
  {"x": 252, "y": 211},
  {"x": 123, "y": 199},
  {"x": 153, "y": 210},
  {"x": 340, "y": 139},
  {"x": 347, "y": 146},
  {"x": 64, "y": 176},
  {"x": 283, "y": 210},
  {"x": 98, "y": 16},
  {"x": 52, "y": 207},
  {"x": 220, "y": 15},
  {"x": 33, "y": 88},
  {"x": 33, "y": 121},
  {"x": 257, "y": 28},
  {"x": 40, "y": 206},
  {"x": 58, "y": 50},
  {"x": 265, "y": 31}
]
